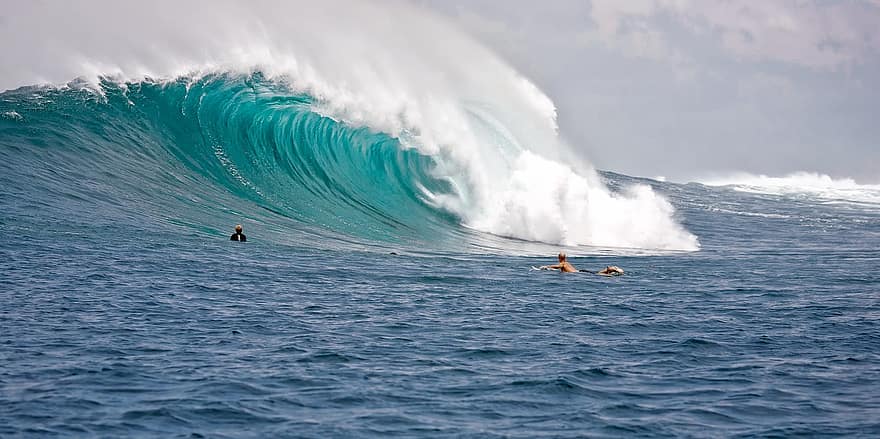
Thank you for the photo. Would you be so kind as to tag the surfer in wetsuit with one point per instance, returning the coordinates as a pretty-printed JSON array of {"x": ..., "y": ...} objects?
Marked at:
[
  {"x": 238, "y": 236},
  {"x": 563, "y": 265}
]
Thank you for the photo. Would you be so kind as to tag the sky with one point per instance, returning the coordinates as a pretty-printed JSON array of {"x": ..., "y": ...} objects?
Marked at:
[{"x": 690, "y": 89}]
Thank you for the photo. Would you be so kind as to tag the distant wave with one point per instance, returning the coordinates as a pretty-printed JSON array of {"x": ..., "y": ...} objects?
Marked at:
[
  {"x": 370, "y": 118},
  {"x": 810, "y": 184}
]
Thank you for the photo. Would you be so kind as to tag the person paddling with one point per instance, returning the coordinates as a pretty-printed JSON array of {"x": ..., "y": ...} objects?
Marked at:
[
  {"x": 566, "y": 267},
  {"x": 563, "y": 265}
]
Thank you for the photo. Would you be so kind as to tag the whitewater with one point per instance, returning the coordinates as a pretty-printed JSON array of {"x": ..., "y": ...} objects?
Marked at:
[{"x": 396, "y": 181}]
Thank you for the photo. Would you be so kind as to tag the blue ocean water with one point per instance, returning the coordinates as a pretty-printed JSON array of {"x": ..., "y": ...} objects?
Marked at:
[{"x": 357, "y": 310}]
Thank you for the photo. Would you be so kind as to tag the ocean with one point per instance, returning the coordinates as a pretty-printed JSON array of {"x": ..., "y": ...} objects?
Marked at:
[{"x": 375, "y": 298}]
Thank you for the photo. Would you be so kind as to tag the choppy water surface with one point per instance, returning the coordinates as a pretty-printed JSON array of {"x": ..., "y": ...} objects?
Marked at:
[
  {"x": 125, "y": 311},
  {"x": 771, "y": 330}
]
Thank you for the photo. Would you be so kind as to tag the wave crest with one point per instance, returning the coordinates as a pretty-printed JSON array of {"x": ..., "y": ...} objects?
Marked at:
[{"x": 811, "y": 184}]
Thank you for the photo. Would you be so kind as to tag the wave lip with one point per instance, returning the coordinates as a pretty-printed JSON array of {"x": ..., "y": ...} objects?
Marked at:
[{"x": 820, "y": 186}]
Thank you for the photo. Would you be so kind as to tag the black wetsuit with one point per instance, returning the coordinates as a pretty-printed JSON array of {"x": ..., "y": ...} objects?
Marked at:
[{"x": 238, "y": 237}]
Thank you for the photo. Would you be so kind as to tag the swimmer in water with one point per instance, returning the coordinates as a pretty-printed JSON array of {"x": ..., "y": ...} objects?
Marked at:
[
  {"x": 238, "y": 236},
  {"x": 611, "y": 270},
  {"x": 563, "y": 265}
]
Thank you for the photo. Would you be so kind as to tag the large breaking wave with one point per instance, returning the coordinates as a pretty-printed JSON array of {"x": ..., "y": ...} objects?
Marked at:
[{"x": 362, "y": 122}]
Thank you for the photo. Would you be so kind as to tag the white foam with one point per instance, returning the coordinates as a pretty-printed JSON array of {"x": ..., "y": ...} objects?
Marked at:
[
  {"x": 544, "y": 200},
  {"x": 387, "y": 65},
  {"x": 13, "y": 115},
  {"x": 810, "y": 184}
]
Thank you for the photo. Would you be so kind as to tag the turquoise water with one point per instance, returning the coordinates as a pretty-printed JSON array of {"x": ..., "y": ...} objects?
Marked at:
[{"x": 359, "y": 309}]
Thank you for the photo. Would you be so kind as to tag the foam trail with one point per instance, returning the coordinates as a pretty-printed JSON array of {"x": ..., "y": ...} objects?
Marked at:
[
  {"x": 801, "y": 183},
  {"x": 389, "y": 66}
]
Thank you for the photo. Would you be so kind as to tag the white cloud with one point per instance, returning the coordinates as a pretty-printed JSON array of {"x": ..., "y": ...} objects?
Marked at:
[{"x": 825, "y": 35}]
